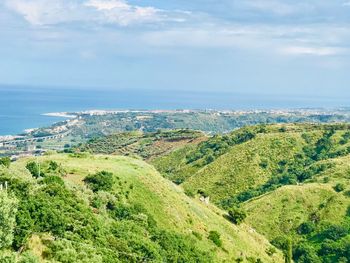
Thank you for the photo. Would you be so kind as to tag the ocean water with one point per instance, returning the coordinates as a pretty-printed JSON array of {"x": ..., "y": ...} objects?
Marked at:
[{"x": 21, "y": 107}]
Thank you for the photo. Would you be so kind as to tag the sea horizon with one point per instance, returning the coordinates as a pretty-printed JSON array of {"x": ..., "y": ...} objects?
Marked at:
[{"x": 24, "y": 107}]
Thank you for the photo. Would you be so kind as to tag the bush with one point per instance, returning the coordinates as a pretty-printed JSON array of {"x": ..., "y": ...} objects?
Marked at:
[
  {"x": 28, "y": 257},
  {"x": 339, "y": 187},
  {"x": 237, "y": 215},
  {"x": 215, "y": 237},
  {"x": 271, "y": 251},
  {"x": 101, "y": 181},
  {"x": 34, "y": 169},
  {"x": 5, "y": 161},
  {"x": 334, "y": 232},
  {"x": 53, "y": 180},
  {"x": 8, "y": 209},
  {"x": 306, "y": 228}
]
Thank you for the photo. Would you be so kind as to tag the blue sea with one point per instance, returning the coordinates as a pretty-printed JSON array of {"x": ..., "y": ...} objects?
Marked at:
[{"x": 22, "y": 107}]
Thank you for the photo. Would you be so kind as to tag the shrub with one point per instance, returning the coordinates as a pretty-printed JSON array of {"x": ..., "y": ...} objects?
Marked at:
[
  {"x": 5, "y": 161},
  {"x": 101, "y": 181},
  {"x": 53, "y": 166},
  {"x": 271, "y": 251},
  {"x": 215, "y": 237},
  {"x": 203, "y": 193},
  {"x": 53, "y": 180},
  {"x": 306, "y": 253},
  {"x": 339, "y": 187},
  {"x": 306, "y": 228},
  {"x": 34, "y": 169},
  {"x": 326, "y": 179},
  {"x": 28, "y": 257},
  {"x": 264, "y": 164},
  {"x": 8, "y": 209},
  {"x": 334, "y": 232},
  {"x": 237, "y": 215}
]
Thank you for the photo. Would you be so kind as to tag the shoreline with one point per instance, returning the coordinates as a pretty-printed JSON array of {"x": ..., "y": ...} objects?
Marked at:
[{"x": 60, "y": 115}]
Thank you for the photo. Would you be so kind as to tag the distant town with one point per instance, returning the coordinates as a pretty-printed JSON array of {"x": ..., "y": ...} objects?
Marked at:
[{"x": 82, "y": 126}]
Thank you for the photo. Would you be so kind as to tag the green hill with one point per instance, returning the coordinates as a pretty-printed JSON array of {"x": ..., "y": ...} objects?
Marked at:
[
  {"x": 251, "y": 161},
  {"x": 291, "y": 180},
  {"x": 85, "y": 208},
  {"x": 288, "y": 182},
  {"x": 314, "y": 216},
  {"x": 285, "y": 209}
]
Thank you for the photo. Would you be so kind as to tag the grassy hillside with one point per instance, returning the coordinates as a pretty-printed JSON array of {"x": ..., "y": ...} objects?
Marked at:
[
  {"x": 251, "y": 161},
  {"x": 284, "y": 210},
  {"x": 291, "y": 180},
  {"x": 67, "y": 210},
  {"x": 315, "y": 217}
]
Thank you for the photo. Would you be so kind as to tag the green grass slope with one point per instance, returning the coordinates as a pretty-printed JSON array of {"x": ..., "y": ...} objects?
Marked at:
[
  {"x": 314, "y": 216},
  {"x": 246, "y": 163},
  {"x": 72, "y": 223},
  {"x": 285, "y": 209},
  {"x": 292, "y": 181},
  {"x": 245, "y": 166}
]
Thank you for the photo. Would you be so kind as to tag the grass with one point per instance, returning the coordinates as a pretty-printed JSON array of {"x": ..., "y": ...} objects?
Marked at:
[
  {"x": 282, "y": 211},
  {"x": 241, "y": 169},
  {"x": 166, "y": 202}
]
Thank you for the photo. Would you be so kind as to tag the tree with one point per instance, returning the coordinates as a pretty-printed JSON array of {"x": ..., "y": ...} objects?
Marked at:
[
  {"x": 5, "y": 161},
  {"x": 8, "y": 209},
  {"x": 101, "y": 181},
  {"x": 237, "y": 215}
]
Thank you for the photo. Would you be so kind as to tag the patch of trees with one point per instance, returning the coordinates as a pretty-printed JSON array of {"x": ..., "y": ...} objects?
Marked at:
[
  {"x": 218, "y": 145},
  {"x": 302, "y": 167},
  {"x": 323, "y": 243}
]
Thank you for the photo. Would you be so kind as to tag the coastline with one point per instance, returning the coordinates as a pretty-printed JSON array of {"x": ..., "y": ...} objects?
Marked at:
[{"x": 60, "y": 115}]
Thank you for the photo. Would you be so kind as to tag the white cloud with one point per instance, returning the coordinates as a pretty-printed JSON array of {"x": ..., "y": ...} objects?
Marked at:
[
  {"x": 120, "y": 12},
  {"x": 108, "y": 5},
  {"x": 43, "y": 12},
  {"x": 312, "y": 51}
]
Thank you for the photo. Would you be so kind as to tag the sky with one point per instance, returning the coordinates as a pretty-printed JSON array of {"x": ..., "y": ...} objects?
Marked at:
[{"x": 290, "y": 47}]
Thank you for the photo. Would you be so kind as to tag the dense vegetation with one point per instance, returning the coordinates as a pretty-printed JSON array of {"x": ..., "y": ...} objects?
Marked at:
[
  {"x": 81, "y": 208},
  {"x": 243, "y": 170}
]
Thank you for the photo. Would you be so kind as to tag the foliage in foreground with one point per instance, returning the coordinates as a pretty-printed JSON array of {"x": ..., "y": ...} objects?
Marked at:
[{"x": 109, "y": 229}]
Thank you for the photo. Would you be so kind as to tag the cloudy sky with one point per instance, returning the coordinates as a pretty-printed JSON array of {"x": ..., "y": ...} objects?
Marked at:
[{"x": 290, "y": 47}]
